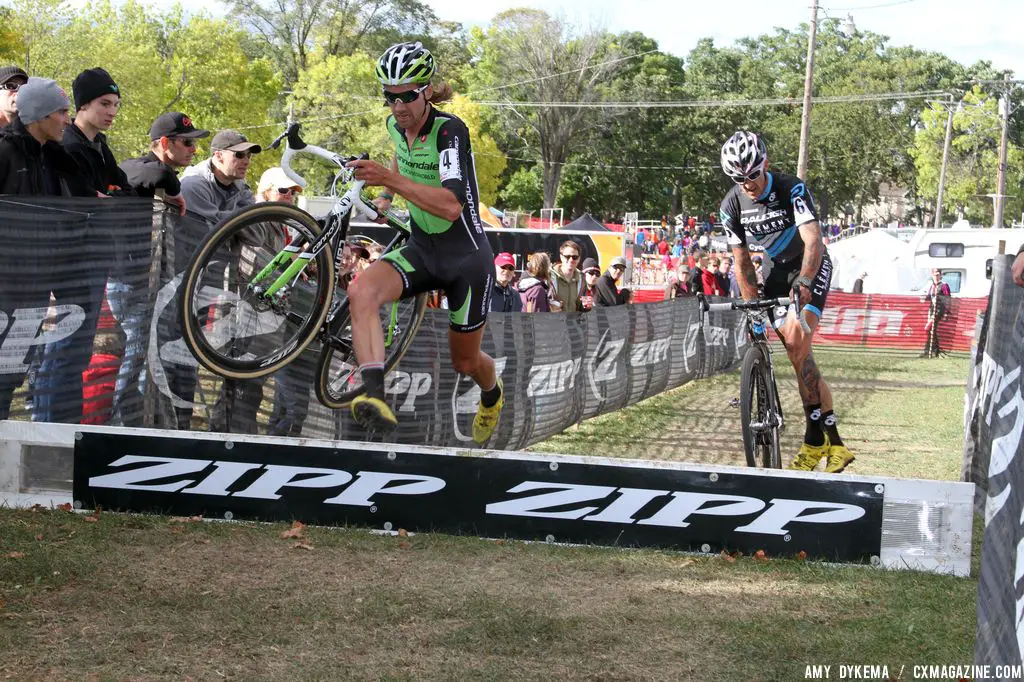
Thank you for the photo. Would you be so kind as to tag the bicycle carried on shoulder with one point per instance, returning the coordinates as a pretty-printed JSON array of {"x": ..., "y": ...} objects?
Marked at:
[
  {"x": 761, "y": 418},
  {"x": 270, "y": 280}
]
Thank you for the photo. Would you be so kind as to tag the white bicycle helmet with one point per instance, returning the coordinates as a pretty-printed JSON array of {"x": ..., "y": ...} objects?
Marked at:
[
  {"x": 405, "y": 63},
  {"x": 742, "y": 154}
]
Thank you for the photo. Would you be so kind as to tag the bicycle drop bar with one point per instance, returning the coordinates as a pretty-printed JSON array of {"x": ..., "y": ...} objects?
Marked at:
[{"x": 760, "y": 304}]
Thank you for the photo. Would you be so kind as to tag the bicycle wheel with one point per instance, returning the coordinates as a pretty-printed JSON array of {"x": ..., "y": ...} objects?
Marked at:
[
  {"x": 230, "y": 321},
  {"x": 758, "y": 418},
  {"x": 338, "y": 380}
]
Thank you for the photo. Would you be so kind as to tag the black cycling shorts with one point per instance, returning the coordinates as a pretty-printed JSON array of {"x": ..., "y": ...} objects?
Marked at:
[
  {"x": 466, "y": 279},
  {"x": 780, "y": 283}
]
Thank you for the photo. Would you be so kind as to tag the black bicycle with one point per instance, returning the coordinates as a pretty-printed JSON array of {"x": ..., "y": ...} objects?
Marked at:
[
  {"x": 271, "y": 279},
  {"x": 761, "y": 418}
]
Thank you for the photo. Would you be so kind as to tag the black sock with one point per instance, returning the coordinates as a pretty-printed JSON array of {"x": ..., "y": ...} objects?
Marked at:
[
  {"x": 372, "y": 375},
  {"x": 829, "y": 421},
  {"x": 813, "y": 435},
  {"x": 490, "y": 397}
]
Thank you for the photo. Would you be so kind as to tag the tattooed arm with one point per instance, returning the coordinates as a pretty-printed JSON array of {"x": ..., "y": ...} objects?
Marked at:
[{"x": 746, "y": 276}]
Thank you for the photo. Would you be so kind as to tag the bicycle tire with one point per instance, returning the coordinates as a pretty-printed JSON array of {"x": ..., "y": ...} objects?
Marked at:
[
  {"x": 761, "y": 447},
  {"x": 338, "y": 356},
  {"x": 251, "y": 233}
]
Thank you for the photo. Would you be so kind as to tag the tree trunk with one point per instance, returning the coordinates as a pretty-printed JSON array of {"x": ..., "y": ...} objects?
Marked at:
[{"x": 552, "y": 178}]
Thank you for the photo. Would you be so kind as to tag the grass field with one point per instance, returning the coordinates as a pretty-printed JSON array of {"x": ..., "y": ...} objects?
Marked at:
[{"x": 127, "y": 597}]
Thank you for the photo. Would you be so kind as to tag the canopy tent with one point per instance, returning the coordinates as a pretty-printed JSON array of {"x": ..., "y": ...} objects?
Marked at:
[
  {"x": 886, "y": 259},
  {"x": 586, "y": 223}
]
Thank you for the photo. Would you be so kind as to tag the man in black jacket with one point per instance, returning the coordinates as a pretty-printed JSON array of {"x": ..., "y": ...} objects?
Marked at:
[
  {"x": 58, "y": 394},
  {"x": 32, "y": 164},
  {"x": 172, "y": 146},
  {"x": 607, "y": 291}
]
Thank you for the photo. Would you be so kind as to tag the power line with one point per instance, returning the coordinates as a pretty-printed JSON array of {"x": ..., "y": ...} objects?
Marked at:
[
  {"x": 563, "y": 73},
  {"x": 857, "y": 9},
  {"x": 717, "y": 104}
]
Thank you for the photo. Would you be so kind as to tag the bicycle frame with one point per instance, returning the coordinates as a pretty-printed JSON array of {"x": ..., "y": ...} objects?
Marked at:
[{"x": 352, "y": 198}]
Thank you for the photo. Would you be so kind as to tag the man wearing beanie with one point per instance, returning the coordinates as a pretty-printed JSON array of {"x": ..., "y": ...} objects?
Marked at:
[
  {"x": 32, "y": 163},
  {"x": 97, "y": 99},
  {"x": 11, "y": 79}
]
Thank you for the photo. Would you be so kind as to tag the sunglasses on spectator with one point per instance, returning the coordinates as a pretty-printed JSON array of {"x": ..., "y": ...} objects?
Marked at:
[
  {"x": 187, "y": 142},
  {"x": 12, "y": 85},
  {"x": 595, "y": 273},
  {"x": 242, "y": 155},
  {"x": 403, "y": 97},
  {"x": 285, "y": 190},
  {"x": 510, "y": 268},
  {"x": 571, "y": 256},
  {"x": 618, "y": 267},
  {"x": 752, "y": 175}
]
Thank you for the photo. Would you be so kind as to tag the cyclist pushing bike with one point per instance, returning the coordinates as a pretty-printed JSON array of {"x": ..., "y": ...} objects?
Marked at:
[
  {"x": 776, "y": 212},
  {"x": 434, "y": 170}
]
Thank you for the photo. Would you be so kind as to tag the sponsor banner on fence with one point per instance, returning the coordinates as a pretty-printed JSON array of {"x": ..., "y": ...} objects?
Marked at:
[
  {"x": 108, "y": 348},
  {"x": 527, "y": 498},
  {"x": 998, "y": 419}
]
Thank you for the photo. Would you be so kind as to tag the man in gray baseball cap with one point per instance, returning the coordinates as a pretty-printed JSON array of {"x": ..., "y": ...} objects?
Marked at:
[{"x": 216, "y": 187}]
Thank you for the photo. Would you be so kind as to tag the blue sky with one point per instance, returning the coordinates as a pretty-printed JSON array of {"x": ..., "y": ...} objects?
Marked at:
[{"x": 965, "y": 31}]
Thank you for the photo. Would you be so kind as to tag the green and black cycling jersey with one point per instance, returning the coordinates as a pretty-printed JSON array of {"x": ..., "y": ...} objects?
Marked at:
[
  {"x": 441, "y": 156},
  {"x": 453, "y": 256},
  {"x": 771, "y": 221}
]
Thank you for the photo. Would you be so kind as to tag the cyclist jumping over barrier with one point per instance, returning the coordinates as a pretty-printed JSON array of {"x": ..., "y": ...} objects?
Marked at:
[
  {"x": 775, "y": 211},
  {"x": 434, "y": 170}
]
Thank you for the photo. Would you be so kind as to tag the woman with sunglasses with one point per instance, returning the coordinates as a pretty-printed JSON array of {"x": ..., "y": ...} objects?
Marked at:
[
  {"x": 434, "y": 170},
  {"x": 776, "y": 212}
]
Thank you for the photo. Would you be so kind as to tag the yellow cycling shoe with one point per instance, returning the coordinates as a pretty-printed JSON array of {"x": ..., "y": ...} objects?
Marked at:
[
  {"x": 839, "y": 457},
  {"x": 809, "y": 456},
  {"x": 486, "y": 418},
  {"x": 373, "y": 414}
]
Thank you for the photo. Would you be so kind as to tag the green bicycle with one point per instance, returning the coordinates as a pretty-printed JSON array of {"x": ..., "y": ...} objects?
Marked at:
[{"x": 270, "y": 280}]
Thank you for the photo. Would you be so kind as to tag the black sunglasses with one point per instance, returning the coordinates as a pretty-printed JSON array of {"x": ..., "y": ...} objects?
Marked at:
[
  {"x": 185, "y": 141},
  {"x": 753, "y": 175},
  {"x": 13, "y": 86},
  {"x": 508, "y": 267},
  {"x": 571, "y": 256},
  {"x": 242, "y": 155},
  {"x": 403, "y": 97},
  {"x": 285, "y": 190}
]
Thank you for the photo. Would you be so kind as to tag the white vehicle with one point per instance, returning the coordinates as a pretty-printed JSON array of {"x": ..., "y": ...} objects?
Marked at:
[
  {"x": 900, "y": 262},
  {"x": 964, "y": 256}
]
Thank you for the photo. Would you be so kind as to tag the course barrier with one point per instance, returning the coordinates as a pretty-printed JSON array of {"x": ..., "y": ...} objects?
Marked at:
[
  {"x": 891, "y": 523},
  {"x": 994, "y": 460},
  {"x": 128, "y": 258}
]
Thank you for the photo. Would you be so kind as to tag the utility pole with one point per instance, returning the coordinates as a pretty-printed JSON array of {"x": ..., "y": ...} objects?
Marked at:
[
  {"x": 945, "y": 158},
  {"x": 1004, "y": 113},
  {"x": 805, "y": 119}
]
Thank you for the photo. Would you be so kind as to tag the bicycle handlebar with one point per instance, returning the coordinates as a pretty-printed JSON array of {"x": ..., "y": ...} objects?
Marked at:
[{"x": 760, "y": 304}]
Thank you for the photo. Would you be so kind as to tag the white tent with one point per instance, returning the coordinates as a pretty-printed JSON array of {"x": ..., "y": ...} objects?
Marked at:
[{"x": 886, "y": 260}]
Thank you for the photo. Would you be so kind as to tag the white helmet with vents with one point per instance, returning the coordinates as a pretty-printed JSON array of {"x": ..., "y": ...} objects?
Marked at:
[
  {"x": 405, "y": 63},
  {"x": 742, "y": 154}
]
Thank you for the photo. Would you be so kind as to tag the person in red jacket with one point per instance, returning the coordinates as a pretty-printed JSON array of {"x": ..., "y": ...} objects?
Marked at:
[{"x": 708, "y": 278}]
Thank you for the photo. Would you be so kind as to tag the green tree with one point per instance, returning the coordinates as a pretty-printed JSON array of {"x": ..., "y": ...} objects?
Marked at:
[
  {"x": 524, "y": 191},
  {"x": 973, "y": 158}
]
